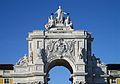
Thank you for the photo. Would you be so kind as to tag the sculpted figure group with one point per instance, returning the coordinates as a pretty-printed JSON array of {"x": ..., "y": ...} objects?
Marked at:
[
  {"x": 61, "y": 48},
  {"x": 59, "y": 19}
]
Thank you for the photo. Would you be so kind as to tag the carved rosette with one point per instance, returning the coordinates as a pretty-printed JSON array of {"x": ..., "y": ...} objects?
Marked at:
[{"x": 61, "y": 48}]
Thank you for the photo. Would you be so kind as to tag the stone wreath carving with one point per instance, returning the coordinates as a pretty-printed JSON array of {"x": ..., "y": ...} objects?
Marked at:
[{"x": 60, "y": 48}]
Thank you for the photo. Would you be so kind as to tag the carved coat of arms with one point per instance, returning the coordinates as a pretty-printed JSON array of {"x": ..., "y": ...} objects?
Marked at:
[{"x": 60, "y": 48}]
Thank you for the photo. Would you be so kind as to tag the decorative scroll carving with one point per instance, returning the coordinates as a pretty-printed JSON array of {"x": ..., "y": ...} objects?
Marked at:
[
  {"x": 50, "y": 46},
  {"x": 81, "y": 53},
  {"x": 39, "y": 53},
  {"x": 61, "y": 48}
]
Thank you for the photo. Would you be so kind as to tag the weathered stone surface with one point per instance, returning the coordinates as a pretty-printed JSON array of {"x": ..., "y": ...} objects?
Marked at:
[{"x": 59, "y": 45}]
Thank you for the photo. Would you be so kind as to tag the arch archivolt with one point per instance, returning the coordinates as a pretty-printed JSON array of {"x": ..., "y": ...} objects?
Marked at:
[
  {"x": 56, "y": 61},
  {"x": 68, "y": 63}
]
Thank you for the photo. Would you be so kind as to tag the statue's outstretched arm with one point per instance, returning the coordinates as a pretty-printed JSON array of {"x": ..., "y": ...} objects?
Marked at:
[
  {"x": 64, "y": 13},
  {"x": 56, "y": 12}
]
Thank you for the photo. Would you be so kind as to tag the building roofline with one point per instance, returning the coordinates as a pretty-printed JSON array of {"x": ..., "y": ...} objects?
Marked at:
[
  {"x": 113, "y": 66},
  {"x": 6, "y": 66}
]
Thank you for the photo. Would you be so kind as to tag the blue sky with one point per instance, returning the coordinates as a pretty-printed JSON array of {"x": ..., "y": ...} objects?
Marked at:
[{"x": 100, "y": 17}]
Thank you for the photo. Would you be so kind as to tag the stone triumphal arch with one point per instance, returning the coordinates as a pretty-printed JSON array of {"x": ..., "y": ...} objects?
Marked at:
[{"x": 59, "y": 45}]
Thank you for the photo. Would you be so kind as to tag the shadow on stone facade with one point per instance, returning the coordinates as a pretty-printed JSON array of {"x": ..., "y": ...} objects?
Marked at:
[{"x": 96, "y": 71}]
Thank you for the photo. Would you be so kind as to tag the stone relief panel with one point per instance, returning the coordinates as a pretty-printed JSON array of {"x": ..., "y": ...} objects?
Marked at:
[
  {"x": 39, "y": 44},
  {"x": 61, "y": 48},
  {"x": 39, "y": 53},
  {"x": 80, "y": 67},
  {"x": 21, "y": 69},
  {"x": 39, "y": 68}
]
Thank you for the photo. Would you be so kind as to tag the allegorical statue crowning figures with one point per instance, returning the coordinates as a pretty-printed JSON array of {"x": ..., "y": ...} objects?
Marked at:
[
  {"x": 59, "y": 20},
  {"x": 60, "y": 14}
]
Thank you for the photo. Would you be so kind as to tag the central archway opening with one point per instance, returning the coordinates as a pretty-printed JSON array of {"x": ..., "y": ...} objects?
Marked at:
[
  {"x": 60, "y": 72},
  {"x": 59, "y": 75}
]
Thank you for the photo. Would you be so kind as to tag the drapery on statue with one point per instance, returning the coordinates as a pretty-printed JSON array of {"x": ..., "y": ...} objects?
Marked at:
[
  {"x": 60, "y": 14},
  {"x": 68, "y": 22}
]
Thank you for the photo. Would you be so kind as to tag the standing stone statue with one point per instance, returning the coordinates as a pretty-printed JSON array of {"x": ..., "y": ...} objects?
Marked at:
[
  {"x": 31, "y": 57},
  {"x": 60, "y": 14},
  {"x": 68, "y": 22},
  {"x": 51, "y": 22}
]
